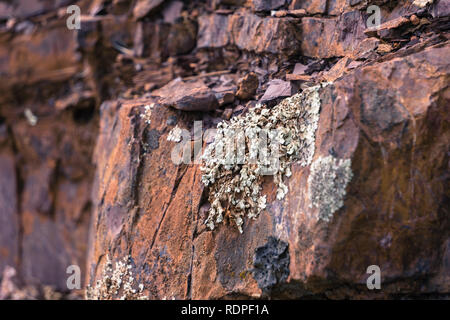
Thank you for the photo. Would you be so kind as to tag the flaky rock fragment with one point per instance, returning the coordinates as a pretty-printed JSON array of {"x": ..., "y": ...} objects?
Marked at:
[
  {"x": 187, "y": 96},
  {"x": 278, "y": 89}
]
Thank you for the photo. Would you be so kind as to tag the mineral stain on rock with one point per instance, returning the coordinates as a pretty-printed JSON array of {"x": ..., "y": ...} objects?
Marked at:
[
  {"x": 152, "y": 138},
  {"x": 271, "y": 264}
]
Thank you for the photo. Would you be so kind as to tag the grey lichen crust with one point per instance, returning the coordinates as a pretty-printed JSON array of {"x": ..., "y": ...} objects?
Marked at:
[
  {"x": 116, "y": 283},
  {"x": 235, "y": 186},
  {"x": 327, "y": 184}
]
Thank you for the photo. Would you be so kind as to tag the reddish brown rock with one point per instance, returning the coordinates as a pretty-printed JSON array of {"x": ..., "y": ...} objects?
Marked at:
[
  {"x": 310, "y": 6},
  {"x": 278, "y": 89},
  {"x": 329, "y": 37},
  {"x": 298, "y": 77},
  {"x": 213, "y": 31},
  {"x": 337, "y": 70},
  {"x": 393, "y": 214},
  {"x": 247, "y": 87},
  {"x": 250, "y": 32},
  {"x": 187, "y": 96},
  {"x": 387, "y": 26},
  {"x": 159, "y": 255},
  {"x": 270, "y": 35}
]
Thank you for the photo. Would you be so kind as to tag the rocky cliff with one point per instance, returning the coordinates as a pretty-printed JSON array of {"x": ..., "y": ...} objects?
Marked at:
[{"x": 105, "y": 133}]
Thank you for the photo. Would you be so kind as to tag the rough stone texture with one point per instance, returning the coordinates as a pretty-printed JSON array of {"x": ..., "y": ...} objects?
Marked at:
[
  {"x": 278, "y": 89},
  {"x": 250, "y": 32},
  {"x": 330, "y": 37},
  {"x": 394, "y": 214},
  {"x": 66, "y": 92},
  {"x": 267, "y": 5},
  {"x": 187, "y": 96}
]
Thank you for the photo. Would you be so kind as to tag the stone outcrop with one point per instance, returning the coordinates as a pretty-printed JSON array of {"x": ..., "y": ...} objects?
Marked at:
[{"x": 94, "y": 123}]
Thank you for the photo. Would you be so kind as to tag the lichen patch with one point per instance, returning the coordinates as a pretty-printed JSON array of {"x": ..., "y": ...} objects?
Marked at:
[
  {"x": 175, "y": 134},
  {"x": 327, "y": 184},
  {"x": 147, "y": 114},
  {"x": 117, "y": 282},
  {"x": 234, "y": 177}
]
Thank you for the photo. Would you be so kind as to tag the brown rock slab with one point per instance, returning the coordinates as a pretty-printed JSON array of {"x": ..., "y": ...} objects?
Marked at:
[
  {"x": 299, "y": 68},
  {"x": 187, "y": 96},
  {"x": 278, "y": 89},
  {"x": 388, "y": 25},
  {"x": 337, "y": 70}
]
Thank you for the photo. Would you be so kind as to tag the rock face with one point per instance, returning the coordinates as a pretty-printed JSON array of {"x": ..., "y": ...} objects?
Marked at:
[
  {"x": 102, "y": 131},
  {"x": 392, "y": 212}
]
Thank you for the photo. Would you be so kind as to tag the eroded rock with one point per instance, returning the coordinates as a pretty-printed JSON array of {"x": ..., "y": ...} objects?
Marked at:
[{"x": 187, "y": 96}]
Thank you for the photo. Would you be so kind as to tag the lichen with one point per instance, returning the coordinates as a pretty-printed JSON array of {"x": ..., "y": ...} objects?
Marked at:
[
  {"x": 175, "y": 134},
  {"x": 116, "y": 283},
  {"x": 422, "y": 3},
  {"x": 147, "y": 114},
  {"x": 31, "y": 118},
  {"x": 327, "y": 184},
  {"x": 234, "y": 178}
]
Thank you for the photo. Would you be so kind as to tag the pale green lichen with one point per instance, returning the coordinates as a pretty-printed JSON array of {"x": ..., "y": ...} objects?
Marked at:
[
  {"x": 116, "y": 283},
  {"x": 327, "y": 184},
  {"x": 234, "y": 177}
]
